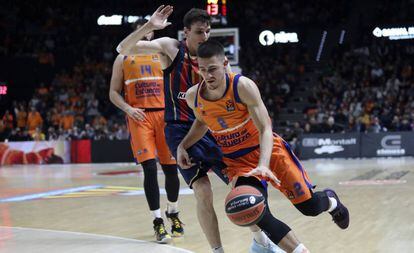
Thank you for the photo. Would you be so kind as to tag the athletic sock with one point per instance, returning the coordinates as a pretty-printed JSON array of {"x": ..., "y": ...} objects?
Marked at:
[
  {"x": 332, "y": 204},
  {"x": 260, "y": 238},
  {"x": 172, "y": 207},
  {"x": 300, "y": 249},
  {"x": 156, "y": 213}
]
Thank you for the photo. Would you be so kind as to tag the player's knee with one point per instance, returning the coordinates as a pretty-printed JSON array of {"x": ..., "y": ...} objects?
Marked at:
[
  {"x": 150, "y": 168},
  {"x": 310, "y": 207},
  {"x": 275, "y": 229},
  {"x": 202, "y": 189},
  {"x": 170, "y": 170}
]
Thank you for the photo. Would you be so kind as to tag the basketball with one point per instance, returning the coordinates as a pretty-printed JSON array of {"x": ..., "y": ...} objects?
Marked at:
[{"x": 245, "y": 205}]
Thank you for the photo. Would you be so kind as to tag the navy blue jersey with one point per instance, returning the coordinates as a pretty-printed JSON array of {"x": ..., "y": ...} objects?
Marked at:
[{"x": 178, "y": 78}]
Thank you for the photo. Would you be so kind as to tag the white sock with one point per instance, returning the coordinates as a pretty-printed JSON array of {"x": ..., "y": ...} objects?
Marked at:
[
  {"x": 156, "y": 213},
  {"x": 301, "y": 249},
  {"x": 333, "y": 204},
  {"x": 172, "y": 207},
  {"x": 261, "y": 238},
  {"x": 218, "y": 250}
]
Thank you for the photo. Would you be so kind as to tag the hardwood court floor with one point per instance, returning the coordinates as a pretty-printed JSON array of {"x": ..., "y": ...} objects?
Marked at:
[{"x": 107, "y": 200}]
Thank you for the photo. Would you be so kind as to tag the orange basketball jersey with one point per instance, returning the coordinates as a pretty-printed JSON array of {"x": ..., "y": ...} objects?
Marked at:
[
  {"x": 228, "y": 120},
  {"x": 143, "y": 81}
]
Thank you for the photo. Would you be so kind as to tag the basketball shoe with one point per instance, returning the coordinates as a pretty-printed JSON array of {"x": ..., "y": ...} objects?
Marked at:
[
  {"x": 177, "y": 229},
  {"x": 269, "y": 248},
  {"x": 161, "y": 234},
  {"x": 340, "y": 215}
]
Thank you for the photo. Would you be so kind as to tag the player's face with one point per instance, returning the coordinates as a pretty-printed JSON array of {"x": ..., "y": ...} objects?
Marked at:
[
  {"x": 197, "y": 34},
  {"x": 213, "y": 71}
]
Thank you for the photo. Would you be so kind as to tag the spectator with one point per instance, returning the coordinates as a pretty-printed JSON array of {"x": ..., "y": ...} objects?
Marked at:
[
  {"x": 122, "y": 133},
  {"x": 375, "y": 126},
  {"x": 21, "y": 117},
  {"x": 8, "y": 122},
  {"x": 38, "y": 135},
  {"x": 34, "y": 120},
  {"x": 67, "y": 120}
]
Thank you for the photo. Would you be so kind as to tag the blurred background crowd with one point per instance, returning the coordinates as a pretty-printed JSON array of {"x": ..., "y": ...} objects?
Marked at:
[{"x": 57, "y": 63}]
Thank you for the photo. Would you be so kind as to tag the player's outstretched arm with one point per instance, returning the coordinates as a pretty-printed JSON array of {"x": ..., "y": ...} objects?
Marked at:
[{"x": 132, "y": 44}]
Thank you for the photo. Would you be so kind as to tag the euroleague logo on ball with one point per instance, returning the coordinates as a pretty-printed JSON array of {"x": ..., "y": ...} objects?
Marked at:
[{"x": 252, "y": 200}]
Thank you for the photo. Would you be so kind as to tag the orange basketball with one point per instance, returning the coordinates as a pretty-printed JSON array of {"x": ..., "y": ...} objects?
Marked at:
[{"x": 245, "y": 205}]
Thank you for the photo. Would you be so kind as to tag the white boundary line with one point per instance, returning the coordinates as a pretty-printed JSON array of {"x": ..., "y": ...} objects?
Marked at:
[{"x": 97, "y": 235}]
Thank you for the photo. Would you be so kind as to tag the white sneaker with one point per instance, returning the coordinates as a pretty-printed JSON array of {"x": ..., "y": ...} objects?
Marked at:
[{"x": 269, "y": 248}]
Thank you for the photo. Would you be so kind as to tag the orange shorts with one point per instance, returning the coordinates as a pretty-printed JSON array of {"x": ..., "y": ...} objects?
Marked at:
[
  {"x": 148, "y": 138},
  {"x": 295, "y": 183}
]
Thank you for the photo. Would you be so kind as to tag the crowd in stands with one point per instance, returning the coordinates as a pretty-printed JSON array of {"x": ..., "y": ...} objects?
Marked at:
[
  {"x": 276, "y": 78},
  {"x": 364, "y": 88}
]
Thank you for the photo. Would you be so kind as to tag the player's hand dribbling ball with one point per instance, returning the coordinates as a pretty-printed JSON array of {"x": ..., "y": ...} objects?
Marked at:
[{"x": 245, "y": 205}]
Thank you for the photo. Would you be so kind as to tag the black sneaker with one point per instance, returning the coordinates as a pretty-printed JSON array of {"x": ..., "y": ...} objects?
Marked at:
[
  {"x": 340, "y": 214},
  {"x": 177, "y": 229},
  {"x": 161, "y": 233}
]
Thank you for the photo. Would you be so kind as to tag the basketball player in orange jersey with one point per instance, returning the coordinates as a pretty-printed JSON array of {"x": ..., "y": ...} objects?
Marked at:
[
  {"x": 178, "y": 59},
  {"x": 140, "y": 77},
  {"x": 230, "y": 107}
]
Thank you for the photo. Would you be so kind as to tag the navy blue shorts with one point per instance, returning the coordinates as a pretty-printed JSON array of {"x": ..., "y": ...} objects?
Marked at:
[{"x": 205, "y": 153}]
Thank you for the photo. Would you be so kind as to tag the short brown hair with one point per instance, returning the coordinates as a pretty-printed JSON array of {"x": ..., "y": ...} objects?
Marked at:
[
  {"x": 210, "y": 48},
  {"x": 196, "y": 15}
]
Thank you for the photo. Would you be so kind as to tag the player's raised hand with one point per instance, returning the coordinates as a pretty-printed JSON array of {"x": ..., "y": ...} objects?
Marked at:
[
  {"x": 264, "y": 172},
  {"x": 137, "y": 114},
  {"x": 159, "y": 18}
]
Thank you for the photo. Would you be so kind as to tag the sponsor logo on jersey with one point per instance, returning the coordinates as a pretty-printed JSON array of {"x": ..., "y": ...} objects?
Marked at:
[
  {"x": 290, "y": 194},
  {"x": 181, "y": 95},
  {"x": 230, "y": 105}
]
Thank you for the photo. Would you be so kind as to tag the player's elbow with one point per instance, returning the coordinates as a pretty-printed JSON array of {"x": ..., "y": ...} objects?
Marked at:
[
  {"x": 112, "y": 95},
  {"x": 119, "y": 49},
  {"x": 122, "y": 49},
  {"x": 265, "y": 128}
]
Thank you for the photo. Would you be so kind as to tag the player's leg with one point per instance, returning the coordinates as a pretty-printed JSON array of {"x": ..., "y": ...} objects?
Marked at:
[
  {"x": 143, "y": 145},
  {"x": 278, "y": 232},
  {"x": 172, "y": 182},
  {"x": 197, "y": 179},
  {"x": 205, "y": 211},
  {"x": 172, "y": 187},
  {"x": 297, "y": 187}
]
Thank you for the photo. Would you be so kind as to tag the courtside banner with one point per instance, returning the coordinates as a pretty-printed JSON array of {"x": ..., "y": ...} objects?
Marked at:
[
  {"x": 34, "y": 152},
  {"x": 390, "y": 144},
  {"x": 329, "y": 146},
  {"x": 80, "y": 151}
]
